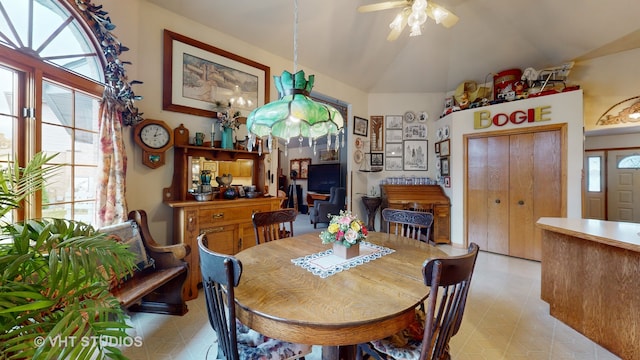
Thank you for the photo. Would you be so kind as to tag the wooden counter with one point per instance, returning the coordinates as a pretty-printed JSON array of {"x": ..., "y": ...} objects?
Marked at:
[{"x": 591, "y": 279}]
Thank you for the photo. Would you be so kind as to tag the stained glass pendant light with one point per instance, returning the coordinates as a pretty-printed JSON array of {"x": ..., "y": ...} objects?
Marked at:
[{"x": 295, "y": 115}]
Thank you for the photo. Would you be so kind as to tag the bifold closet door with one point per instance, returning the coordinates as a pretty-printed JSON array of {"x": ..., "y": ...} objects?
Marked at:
[
  {"x": 534, "y": 189},
  {"x": 512, "y": 180},
  {"x": 488, "y": 193}
]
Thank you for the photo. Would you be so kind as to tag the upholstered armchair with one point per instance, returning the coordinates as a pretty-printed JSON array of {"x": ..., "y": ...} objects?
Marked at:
[{"x": 321, "y": 209}]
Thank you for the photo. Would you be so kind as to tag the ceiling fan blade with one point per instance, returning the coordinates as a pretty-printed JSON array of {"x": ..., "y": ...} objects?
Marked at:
[
  {"x": 435, "y": 12},
  {"x": 384, "y": 5},
  {"x": 396, "y": 31}
]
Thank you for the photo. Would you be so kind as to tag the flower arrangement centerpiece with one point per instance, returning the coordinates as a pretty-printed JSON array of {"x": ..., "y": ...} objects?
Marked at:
[
  {"x": 228, "y": 123},
  {"x": 345, "y": 232}
]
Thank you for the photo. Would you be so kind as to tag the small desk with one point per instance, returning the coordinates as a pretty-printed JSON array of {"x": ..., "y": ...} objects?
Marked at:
[{"x": 368, "y": 302}]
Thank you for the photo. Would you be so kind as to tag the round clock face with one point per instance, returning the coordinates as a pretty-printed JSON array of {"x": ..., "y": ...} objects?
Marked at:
[{"x": 154, "y": 136}]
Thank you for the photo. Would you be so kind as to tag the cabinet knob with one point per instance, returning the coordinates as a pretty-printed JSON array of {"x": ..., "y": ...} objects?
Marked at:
[
  {"x": 218, "y": 216},
  {"x": 497, "y": 201},
  {"x": 521, "y": 202}
]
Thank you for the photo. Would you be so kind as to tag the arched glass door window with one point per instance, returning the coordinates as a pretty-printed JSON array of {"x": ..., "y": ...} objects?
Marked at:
[
  {"x": 629, "y": 162},
  {"x": 47, "y": 30}
]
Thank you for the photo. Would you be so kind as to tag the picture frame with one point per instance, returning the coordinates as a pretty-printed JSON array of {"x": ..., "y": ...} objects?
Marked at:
[
  {"x": 415, "y": 155},
  {"x": 393, "y": 164},
  {"x": 376, "y": 130},
  {"x": 377, "y": 159},
  {"x": 301, "y": 166},
  {"x": 393, "y": 122},
  {"x": 444, "y": 166},
  {"x": 444, "y": 148},
  {"x": 360, "y": 126},
  {"x": 414, "y": 131},
  {"x": 393, "y": 135},
  {"x": 393, "y": 150},
  {"x": 437, "y": 148},
  {"x": 328, "y": 156},
  {"x": 191, "y": 69},
  {"x": 447, "y": 181}
]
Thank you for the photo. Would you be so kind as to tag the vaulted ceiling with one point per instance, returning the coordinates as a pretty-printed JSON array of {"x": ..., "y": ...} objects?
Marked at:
[{"x": 491, "y": 36}]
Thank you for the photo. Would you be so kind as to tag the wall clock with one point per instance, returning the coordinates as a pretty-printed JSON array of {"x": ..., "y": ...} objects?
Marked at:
[{"x": 155, "y": 137}]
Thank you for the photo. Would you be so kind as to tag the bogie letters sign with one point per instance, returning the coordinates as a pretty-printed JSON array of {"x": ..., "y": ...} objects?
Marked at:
[{"x": 482, "y": 119}]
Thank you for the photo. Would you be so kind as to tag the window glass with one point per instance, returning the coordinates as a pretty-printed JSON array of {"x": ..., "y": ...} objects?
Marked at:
[
  {"x": 629, "y": 162},
  {"x": 594, "y": 174}
]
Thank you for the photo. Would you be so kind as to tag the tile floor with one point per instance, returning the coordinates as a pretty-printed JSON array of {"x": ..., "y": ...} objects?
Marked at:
[{"x": 505, "y": 319}]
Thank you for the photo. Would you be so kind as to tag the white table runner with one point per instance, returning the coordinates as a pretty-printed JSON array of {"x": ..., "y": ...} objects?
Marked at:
[{"x": 325, "y": 264}]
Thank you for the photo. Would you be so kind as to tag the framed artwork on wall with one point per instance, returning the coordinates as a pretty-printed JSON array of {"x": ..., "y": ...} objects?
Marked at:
[
  {"x": 415, "y": 155},
  {"x": 394, "y": 135},
  {"x": 444, "y": 148},
  {"x": 301, "y": 166},
  {"x": 377, "y": 159},
  {"x": 376, "y": 128},
  {"x": 437, "y": 146},
  {"x": 393, "y": 150},
  {"x": 414, "y": 131},
  {"x": 198, "y": 78},
  {"x": 394, "y": 122},
  {"x": 329, "y": 155},
  {"x": 393, "y": 164},
  {"x": 444, "y": 166},
  {"x": 360, "y": 126}
]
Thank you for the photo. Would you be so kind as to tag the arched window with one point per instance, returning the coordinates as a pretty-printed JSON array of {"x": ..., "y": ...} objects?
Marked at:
[
  {"x": 56, "y": 57},
  {"x": 629, "y": 162}
]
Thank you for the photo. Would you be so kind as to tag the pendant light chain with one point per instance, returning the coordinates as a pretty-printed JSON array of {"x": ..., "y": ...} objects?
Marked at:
[{"x": 295, "y": 36}]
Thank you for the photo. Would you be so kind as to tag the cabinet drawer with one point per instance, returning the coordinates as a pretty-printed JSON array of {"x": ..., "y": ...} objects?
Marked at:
[{"x": 208, "y": 217}]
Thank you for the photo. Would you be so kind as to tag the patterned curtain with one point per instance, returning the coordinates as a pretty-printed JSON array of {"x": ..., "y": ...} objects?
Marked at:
[{"x": 112, "y": 169}]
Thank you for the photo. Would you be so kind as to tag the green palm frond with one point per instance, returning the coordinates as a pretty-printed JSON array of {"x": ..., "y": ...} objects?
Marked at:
[{"x": 54, "y": 279}]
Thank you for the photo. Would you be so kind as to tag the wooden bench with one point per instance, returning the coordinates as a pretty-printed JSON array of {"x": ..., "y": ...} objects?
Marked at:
[{"x": 158, "y": 288}]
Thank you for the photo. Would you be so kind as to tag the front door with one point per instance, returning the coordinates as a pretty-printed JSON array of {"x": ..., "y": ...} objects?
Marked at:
[{"x": 624, "y": 186}]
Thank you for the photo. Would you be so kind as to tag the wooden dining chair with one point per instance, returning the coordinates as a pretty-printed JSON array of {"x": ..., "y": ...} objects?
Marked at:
[
  {"x": 449, "y": 280},
  {"x": 422, "y": 207},
  {"x": 271, "y": 225},
  {"x": 408, "y": 223},
  {"x": 220, "y": 276}
]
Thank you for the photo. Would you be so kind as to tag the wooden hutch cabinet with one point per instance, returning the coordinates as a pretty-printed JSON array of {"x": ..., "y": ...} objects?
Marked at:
[
  {"x": 227, "y": 222},
  {"x": 428, "y": 196}
]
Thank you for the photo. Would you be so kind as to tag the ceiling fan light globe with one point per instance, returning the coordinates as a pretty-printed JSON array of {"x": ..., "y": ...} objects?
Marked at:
[
  {"x": 439, "y": 15},
  {"x": 415, "y": 30},
  {"x": 396, "y": 24}
]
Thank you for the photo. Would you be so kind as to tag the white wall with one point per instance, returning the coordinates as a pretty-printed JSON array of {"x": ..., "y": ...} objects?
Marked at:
[
  {"x": 139, "y": 26},
  {"x": 565, "y": 108}
]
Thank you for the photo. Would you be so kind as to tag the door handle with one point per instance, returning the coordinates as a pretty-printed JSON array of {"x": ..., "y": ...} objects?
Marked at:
[{"x": 217, "y": 216}]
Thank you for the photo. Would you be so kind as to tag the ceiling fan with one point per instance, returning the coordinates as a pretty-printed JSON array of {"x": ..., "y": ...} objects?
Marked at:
[{"x": 413, "y": 13}]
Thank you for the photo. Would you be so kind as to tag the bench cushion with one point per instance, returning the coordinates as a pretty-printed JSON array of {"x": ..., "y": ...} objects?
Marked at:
[{"x": 128, "y": 233}]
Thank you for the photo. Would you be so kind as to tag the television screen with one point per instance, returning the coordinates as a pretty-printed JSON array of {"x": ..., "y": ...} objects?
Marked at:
[{"x": 322, "y": 177}]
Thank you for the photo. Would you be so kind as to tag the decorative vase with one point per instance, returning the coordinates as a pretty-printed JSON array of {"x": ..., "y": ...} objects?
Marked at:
[
  {"x": 227, "y": 138},
  {"x": 346, "y": 252},
  {"x": 230, "y": 193}
]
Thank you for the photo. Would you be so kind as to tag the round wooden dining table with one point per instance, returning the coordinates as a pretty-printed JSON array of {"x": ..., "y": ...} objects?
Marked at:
[{"x": 370, "y": 301}]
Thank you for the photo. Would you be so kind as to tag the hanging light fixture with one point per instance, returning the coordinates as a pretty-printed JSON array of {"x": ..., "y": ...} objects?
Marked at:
[{"x": 294, "y": 114}]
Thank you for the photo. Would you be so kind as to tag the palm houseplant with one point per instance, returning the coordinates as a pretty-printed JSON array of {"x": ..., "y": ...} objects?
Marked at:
[{"x": 54, "y": 279}]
